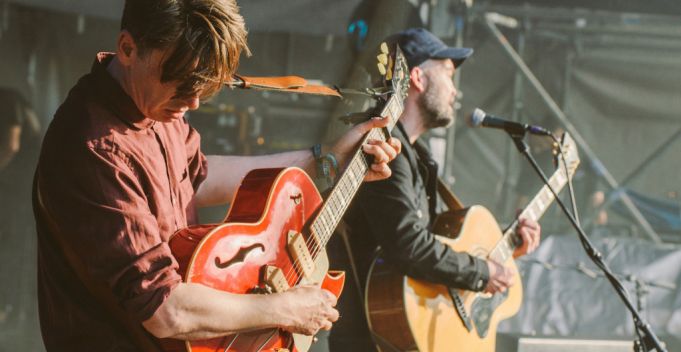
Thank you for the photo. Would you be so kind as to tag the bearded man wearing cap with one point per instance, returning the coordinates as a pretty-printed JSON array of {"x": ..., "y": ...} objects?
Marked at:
[{"x": 397, "y": 213}]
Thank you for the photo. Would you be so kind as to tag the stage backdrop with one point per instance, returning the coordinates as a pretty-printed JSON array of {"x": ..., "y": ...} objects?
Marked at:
[
  {"x": 621, "y": 90},
  {"x": 327, "y": 16}
]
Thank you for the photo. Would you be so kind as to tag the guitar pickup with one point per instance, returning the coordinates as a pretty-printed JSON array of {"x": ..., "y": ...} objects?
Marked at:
[
  {"x": 297, "y": 249},
  {"x": 275, "y": 279}
]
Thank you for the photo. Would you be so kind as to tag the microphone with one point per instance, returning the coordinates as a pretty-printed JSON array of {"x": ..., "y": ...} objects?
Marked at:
[{"x": 480, "y": 118}]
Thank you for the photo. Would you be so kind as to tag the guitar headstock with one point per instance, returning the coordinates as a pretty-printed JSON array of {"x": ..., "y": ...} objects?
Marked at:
[
  {"x": 393, "y": 69},
  {"x": 570, "y": 153}
]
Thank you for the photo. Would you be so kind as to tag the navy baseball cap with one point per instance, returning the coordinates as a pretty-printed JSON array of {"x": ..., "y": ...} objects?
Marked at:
[{"x": 419, "y": 45}]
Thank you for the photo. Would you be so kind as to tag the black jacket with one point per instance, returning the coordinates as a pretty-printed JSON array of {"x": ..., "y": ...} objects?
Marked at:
[{"x": 397, "y": 213}]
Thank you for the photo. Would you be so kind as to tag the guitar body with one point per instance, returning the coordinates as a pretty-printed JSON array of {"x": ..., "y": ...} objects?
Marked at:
[
  {"x": 269, "y": 206},
  {"x": 416, "y": 315}
]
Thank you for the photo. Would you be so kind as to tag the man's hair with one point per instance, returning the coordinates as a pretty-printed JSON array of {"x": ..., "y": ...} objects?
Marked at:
[{"x": 204, "y": 39}]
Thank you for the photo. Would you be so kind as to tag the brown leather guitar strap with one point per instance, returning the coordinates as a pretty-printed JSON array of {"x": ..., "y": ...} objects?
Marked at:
[
  {"x": 448, "y": 197},
  {"x": 142, "y": 339},
  {"x": 289, "y": 84}
]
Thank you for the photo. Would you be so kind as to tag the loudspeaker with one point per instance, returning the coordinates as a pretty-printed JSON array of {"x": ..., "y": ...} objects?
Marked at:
[{"x": 519, "y": 343}]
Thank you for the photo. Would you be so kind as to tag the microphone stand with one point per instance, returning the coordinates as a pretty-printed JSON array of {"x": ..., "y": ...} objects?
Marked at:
[{"x": 647, "y": 340}]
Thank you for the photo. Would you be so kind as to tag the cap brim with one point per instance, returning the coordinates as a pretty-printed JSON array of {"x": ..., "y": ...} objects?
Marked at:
[{"x": 458, "y": 55}]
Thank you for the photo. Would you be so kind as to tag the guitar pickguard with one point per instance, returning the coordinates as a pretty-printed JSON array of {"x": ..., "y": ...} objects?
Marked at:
[
  {"x": 460, "y": 308},
  {"x": 482, "y": 309}
]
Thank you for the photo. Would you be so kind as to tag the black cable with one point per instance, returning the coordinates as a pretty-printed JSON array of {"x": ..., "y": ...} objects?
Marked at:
[
  {"x": 575, "y": 213},
  {"x": 571, "y": 191}
]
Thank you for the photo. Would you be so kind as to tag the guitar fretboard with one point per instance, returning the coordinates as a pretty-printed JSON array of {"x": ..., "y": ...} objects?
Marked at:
[
  {"x": 348, "y": 183},
  {"x": 534, "y": 211}
]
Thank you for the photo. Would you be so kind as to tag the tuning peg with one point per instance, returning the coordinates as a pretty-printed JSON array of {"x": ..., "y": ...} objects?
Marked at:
[
  {"x": 381, "y": 68},
  {"x": 382, "y": 58},
  {"x": 384, "y": 48}
]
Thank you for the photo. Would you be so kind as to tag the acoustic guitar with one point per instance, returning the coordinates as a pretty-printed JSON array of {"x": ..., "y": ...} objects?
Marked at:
[
  {"x": 275, "y": 233},
  {"x": 406, "y": 314}
]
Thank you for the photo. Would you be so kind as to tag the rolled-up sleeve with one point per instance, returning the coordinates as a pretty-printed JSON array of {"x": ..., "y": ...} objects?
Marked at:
[
  {"x": 392, "y": 211},
  {"x": 102, "y": 211}
]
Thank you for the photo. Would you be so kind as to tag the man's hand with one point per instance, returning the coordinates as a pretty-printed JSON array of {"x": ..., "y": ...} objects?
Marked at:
[
  {"x": 308, "y": 309},
  {"x": 500, "y": 277},
  {"x": 530, "y": 232},
  {"x": 383, "y": 152}
]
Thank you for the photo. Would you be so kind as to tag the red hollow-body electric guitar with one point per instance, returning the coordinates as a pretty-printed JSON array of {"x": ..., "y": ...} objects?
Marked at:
[{"x": 275, "y": 234}]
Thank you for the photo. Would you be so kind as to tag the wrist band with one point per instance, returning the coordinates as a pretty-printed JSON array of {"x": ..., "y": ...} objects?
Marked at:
[
  {"x": 317, "y": 151},
  {"x": 330, "y": 159},
  {"x": 325, "y": 164}
]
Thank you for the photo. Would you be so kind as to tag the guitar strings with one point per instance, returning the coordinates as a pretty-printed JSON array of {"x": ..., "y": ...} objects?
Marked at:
[
  {"x": 315, "y": 246},
  {"x": 310, "y": 242}
]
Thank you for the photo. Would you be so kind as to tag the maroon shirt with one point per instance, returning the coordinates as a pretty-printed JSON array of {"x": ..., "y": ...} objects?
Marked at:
[{"x": 118, "y": 186}]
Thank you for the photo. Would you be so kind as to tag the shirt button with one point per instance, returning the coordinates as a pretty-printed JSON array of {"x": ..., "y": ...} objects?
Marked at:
[{"x": 419, "y": 213}]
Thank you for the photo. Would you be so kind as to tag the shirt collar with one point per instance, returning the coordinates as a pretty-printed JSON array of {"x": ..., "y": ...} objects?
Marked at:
[
  {"x": 113, "y": 95},
  {"x": 420, "y": 146}
]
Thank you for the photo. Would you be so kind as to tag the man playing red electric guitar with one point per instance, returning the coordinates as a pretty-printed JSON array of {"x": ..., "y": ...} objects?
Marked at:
[{"x": 121, "y": 170}]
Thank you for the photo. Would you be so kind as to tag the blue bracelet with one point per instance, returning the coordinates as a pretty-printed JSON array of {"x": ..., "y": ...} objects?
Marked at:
[
  {"x": 325, "y": 164},
  {"x": 317, "y": 151},
  {"x": 329, "y": 158}
]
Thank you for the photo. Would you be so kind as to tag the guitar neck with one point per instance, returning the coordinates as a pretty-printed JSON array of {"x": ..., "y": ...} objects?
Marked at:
[
  {"x": 534, "y": 211},
  {"x": 351, "y": 178}
]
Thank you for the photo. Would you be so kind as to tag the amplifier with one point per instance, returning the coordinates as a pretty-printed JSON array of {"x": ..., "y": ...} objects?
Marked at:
[{"x": 520, "y": 343}]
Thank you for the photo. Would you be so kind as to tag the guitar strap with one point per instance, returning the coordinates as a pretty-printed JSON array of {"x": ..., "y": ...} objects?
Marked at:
[
  {"x": 448, "y": 197},
  {"x": 143, "y": 341},
  {"x": 342, "y": 230},
  {"x": 289, "y": 84}
]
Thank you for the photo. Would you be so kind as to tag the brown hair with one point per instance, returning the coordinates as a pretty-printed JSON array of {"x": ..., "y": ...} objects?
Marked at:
[{"x": 205, "y": 38}]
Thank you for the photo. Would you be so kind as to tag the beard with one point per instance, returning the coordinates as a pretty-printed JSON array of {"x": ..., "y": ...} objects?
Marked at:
[{"x": 435, "y": 109}]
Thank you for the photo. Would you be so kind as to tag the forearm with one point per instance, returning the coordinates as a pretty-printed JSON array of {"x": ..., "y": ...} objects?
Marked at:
[
  {"x": 422, "y": 256},
  {"x": 195, "y": 311},
  {"x": 226, "y": 172},
  {"x": 454, "y": 269}
]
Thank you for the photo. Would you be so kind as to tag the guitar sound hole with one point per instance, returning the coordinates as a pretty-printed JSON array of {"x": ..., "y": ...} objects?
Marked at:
[{"x": 239, "y": 257}]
